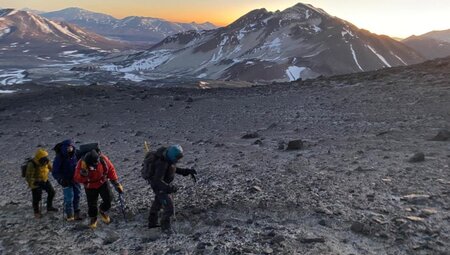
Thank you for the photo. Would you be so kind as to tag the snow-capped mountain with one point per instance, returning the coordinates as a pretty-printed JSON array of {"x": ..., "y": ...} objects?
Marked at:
[
  {"x": 299, "y": 42},
  {"x": 22, "y": 27},
  {"x": 435, "y": 44},
  {"x": 133, "y": 28}
]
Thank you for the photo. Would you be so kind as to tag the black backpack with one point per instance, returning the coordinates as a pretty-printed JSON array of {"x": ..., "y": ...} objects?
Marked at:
[
  {"x": 148, "y": 169},
  {"x": 85, "y": 148},
  {"x": 24, "y": 166}
]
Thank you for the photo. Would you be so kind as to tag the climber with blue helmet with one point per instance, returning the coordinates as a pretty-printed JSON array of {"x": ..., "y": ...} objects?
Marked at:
[{"x": 161, "y": 169}]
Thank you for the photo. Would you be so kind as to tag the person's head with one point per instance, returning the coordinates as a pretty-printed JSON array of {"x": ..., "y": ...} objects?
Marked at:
[
  {"x": 41, "y": 157},
  {"x": 68, "y": 148},
  {"x": 174, "y": 153},
  {"x": 92, "y": 159}
]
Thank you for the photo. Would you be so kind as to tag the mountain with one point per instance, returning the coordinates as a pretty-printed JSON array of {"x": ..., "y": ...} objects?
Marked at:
[
  {"x": 435, "y": 44},
  {"x": 299, "y": 42},
  {"x": 133, "y": 28},
  {"x": 22, "y": 27}
]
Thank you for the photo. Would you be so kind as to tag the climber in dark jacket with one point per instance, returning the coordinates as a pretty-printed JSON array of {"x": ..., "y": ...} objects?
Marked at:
[
  {"x": 164, "y": 170},
  {"x": 63, "y": 171}
]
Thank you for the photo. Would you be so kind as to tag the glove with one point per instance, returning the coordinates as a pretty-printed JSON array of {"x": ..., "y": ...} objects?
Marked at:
[
  {"x": 193, "y": 174},
  {"x": 117, "y": 186},
  {"x": 84, "y": 172},
  {"x": 172, "y": 189}
]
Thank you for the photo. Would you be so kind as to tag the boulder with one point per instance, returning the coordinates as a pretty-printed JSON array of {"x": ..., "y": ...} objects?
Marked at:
[
  {"x": 295, "y": 145},
  {"x": 418, "y": 157},
  {"x": 442, "y": 135}
]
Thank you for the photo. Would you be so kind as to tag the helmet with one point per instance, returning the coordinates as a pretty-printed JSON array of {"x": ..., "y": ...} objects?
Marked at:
[{"x": 174, "y": 153}]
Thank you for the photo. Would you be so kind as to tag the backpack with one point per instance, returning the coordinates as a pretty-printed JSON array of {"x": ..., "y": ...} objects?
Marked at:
[
  {"x": 148, "y": 169},
  {"x": 85, "y": 148},
  {"x": 24, "y": 166}
]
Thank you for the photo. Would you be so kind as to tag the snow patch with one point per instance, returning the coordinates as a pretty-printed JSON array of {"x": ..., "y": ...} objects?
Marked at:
[
  {"x": 274, "y": 45},
  {"x": 133, "y": 77},
  {"x": 203, "y": 75},
  {"x": 10, "y": 77},
  {"x": 294, "y": 72},
  {"x": 155, "y": 59},
  {"x": 392, "y": 53},
  {"x": 5, "y": 31},
  {"x": 354, "y": 57},
  {"x": 64, "y": 30},
  {"x": 7, "y": 91},
  {"x": 41, "y": 24},
  {"x": 204, "y": 85},
  {"x": 379, "y": 56}
]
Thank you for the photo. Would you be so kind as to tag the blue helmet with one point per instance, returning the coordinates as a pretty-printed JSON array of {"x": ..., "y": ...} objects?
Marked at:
[{"x": 174, "y": 153}]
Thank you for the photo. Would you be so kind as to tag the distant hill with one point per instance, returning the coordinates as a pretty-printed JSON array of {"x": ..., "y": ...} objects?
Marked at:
[{"x": 133, "y": 29}]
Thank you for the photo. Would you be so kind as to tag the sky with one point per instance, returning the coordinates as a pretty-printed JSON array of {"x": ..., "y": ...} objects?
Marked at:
[{"x": 397, "y": 18}]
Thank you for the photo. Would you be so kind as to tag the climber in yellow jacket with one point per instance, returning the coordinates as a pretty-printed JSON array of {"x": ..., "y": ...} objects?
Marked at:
[{"x": 37, "y": 178}]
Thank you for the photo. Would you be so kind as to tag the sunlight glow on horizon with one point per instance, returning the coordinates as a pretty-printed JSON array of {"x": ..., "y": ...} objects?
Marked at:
[{"x": 399, "y": 18}]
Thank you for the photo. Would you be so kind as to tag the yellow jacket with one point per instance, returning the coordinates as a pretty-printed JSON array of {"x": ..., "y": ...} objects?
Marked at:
[{"x": 35, "y": 171}]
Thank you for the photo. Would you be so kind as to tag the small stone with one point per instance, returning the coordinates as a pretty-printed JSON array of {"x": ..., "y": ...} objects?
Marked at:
[
  {"x": 427, "y": 212},
  {"x": 110, "y": 238},
  {"x": 415, "y": 218},
  {"x": 255, "y": 189},
  {"x": 277, "y": 239},
  {"x": 258, "y": 142},
  {"x": 250, "y": 135},
  {"x": 281, "y": 145},
  {"x": 415, "y": 198},
  {"x": 418, "y": 157},
  {"x": 295, "y": 145},
  {"x": 442, "y": 136},
  {"x": 189, "y": 100}
]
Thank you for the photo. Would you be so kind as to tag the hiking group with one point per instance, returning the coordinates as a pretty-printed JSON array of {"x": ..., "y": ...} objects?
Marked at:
[{"x": 89, "y": 167}]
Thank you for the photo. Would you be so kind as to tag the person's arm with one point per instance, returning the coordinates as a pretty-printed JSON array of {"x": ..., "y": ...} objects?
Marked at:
[
  {"x": 56, "y": 173},
  {"x": 112, "y": 174},
  {"x": 30, "y": 175},
  {"x": 77, "y": 177},
  {"x": 158, "y": 178}
]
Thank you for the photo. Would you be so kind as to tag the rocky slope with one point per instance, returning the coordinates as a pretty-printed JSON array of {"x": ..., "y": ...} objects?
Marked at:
[
  {"x": 297, "y": 43},
  {"x": 352, "y": 188},
  {"x": 131, "y": 29},
  {"x": 431, "y": 45},
  {"x": 17, "y": 27}
]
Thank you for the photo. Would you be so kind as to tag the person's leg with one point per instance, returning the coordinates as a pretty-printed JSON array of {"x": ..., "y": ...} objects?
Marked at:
[
  {"x": 68, "y": 201},
  {"x": 37, "y": 196},
  {"x": 76, "y": 200},
  {"x": 106, "y": 195},
  {"x": 92, "y": 200},
  {"x": 50, "y": 195},
  {"x": 154, "y": 210},
  {"x": 168, "y": 210}
]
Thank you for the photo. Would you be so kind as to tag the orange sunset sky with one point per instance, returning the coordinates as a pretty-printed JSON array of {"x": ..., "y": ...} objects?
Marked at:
[{"x": 398, "y": 18}]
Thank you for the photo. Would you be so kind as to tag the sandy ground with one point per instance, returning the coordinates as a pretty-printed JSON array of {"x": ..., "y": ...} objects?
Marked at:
[{"x": 350, "y": 190}]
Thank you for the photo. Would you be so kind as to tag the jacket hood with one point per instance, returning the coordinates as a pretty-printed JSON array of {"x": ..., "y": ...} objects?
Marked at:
[
  {"x": 65, "y": 144},
  {"x": 40, "y": 153}
]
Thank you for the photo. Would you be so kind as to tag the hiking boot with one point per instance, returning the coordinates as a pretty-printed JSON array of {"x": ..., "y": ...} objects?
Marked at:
[
  {"x": 77, "y": 216},
  {"x": 93, "y": 223},
  {"x": 166, "y": 227},
  {"x": 37, "y": 215},
  {"x": 52, "y": 209},
  {"x": 70, "y": 218},
  {"x": 105, "y": 218}
]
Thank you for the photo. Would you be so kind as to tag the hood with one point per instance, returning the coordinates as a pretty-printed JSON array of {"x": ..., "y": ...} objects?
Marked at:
[
  {"x": 65, "y": 144},
  {"x": 40, "y": 153}
]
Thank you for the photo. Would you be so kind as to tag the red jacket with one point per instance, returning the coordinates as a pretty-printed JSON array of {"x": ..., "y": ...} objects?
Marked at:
[{"x": 98, "y": 177}]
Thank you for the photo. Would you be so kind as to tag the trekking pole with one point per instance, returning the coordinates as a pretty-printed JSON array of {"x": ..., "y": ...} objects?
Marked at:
[
  {"x": 146, "y": 146},
  {"x": 62, "y": 212},
  {"x": 122, "y": 206}
]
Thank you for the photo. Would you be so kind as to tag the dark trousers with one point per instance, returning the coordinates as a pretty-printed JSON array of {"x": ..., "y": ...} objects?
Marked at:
[
  {"x": 164, "y": 201},
  {"x": 92, "y": 199},
  {"x": 37, "y": 195}
]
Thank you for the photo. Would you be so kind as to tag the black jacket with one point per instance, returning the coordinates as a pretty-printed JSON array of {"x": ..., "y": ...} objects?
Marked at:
[{"x": 164, "y": 172}]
